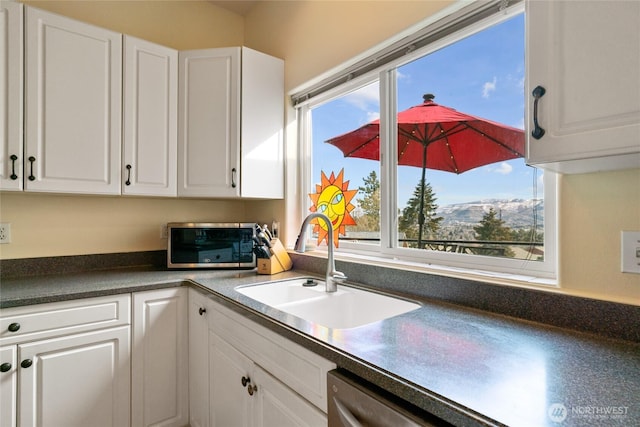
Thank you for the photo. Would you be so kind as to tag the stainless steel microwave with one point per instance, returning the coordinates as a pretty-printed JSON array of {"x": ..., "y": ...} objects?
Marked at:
[{"x": 210, "y": 245}]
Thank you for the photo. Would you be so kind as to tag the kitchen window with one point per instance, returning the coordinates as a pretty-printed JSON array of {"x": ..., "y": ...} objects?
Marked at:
[{"x": 495, "y": 215}]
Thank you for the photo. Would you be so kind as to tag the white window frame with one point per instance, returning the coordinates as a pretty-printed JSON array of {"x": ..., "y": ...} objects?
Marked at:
[{"x": 543, "y": 272}]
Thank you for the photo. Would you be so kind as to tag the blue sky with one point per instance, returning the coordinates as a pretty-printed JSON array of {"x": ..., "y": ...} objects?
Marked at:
[{"x": 482, "y": 75}]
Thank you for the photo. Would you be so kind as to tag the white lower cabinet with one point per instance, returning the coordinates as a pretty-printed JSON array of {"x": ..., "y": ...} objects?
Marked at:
[
  {"x": 66, "y": 363},
  {"x": 8, "y": 385},
  {"x": 167, "y": 357},
  {"x": 159, "y": 358},
  {"x": 77, "y": 380},
  {"x": 200, "y": 307},
  {"x": 277, "y": 405},
  {"x": 244, "y": 394},
  {"x": 229, "y": 369},
  {"x": 259, "y": 378}
]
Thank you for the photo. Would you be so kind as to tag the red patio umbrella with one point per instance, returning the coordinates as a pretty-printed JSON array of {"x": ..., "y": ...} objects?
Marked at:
[{"x": 436, "y": 137}]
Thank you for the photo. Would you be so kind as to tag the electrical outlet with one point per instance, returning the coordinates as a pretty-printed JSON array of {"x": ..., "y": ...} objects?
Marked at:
[
  {"x": 5, "y": 232},
  {"x": 630, "y": 251},
  {"x": 163, "y": 232}
]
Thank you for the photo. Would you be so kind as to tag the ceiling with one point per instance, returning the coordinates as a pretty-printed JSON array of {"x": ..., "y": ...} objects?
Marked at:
[{"x": 241, "y": 7}]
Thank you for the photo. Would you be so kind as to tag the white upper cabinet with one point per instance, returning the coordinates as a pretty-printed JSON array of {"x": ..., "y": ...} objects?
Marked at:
[
  {"x": 586, "y": 56},
  {"x": 73, "y": 105},
  {"x": 230, "y": 125},
  {"x": 11, "y": 95},
  {"x": 262, "y": 168},
  {"x": 208, "y": 123},
  {"x": 150, "y": 103}
]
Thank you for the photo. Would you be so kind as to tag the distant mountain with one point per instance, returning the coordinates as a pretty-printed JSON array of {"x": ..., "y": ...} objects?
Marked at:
[{"x": 516, "y": 213}]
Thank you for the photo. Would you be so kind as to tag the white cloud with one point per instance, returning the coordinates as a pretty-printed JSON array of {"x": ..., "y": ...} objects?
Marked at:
[
  {"x": 503, "y": 168},
  {"x": 365, "y": 97},
  {"x": 489, "y": 87}
]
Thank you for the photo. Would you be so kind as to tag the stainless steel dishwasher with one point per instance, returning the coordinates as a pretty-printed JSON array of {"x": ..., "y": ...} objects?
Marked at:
[{"x": 355, "y": 403}]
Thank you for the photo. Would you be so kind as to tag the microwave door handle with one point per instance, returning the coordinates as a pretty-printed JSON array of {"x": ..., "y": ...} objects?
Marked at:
[{"x": 346, "y": 417}]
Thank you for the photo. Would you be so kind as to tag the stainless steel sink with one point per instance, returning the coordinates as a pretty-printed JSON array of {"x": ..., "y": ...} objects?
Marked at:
[{"x": 348, "y": 307}]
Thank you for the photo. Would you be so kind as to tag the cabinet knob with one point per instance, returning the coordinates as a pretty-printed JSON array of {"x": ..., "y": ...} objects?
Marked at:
[
  {"x": 252, "y": 389},
  {"x": 14, "y": 327},
  {"x": 26, "y": 363},
  {"x": 5, "y": 367},
  {"x": 202, "y": 311}
]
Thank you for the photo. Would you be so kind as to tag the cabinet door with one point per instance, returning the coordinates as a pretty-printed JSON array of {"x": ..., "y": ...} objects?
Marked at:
[
  {"x": 159, "y": 359},
  {"x": 199, "y": 311},
  {"x": 208, "y": 123},
  {"x": 230, "y": 400},
  {"x": 277, "y": 405},
  {"x": 262, "y": 125},
  {"x": 586, "y": 54},
  {"x": 150, "y": 119},
  {"x": 11, "y": 95},
  {"x": 8, "y": 385},
  {"x": 78, "y": 380},
  {"x": 73, "y": 105}
]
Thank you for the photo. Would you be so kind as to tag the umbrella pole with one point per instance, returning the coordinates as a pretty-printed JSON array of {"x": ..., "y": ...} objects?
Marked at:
[{"x": 422, "y": 185}]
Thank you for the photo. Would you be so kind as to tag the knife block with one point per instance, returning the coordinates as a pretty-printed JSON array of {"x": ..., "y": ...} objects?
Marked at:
[{"x": 279, "y": 260}]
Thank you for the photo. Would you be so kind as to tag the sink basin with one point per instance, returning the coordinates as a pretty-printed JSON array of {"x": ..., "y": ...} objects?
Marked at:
[
  {"x": 282, "y": 292},
  {"x": 349, "y": 307}
]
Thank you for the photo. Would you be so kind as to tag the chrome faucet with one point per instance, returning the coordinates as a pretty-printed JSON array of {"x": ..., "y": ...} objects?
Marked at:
[{"x": 333, "y": 276}]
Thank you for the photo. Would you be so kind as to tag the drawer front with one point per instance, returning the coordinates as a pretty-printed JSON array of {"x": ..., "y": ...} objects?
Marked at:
[
  {"x": 300, "y": 369},
  {"x": 39, "y": 321}
]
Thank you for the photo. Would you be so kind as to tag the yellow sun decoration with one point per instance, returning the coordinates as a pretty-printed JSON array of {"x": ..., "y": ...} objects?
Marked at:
[{"x": 333, "y": 199}]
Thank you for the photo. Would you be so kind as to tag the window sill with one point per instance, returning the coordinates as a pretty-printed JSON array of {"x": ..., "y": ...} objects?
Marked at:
[{"x": 485, "y": 276}]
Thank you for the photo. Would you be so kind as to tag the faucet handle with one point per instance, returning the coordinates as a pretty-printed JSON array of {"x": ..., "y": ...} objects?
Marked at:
[{"x": 338, "y": 276}]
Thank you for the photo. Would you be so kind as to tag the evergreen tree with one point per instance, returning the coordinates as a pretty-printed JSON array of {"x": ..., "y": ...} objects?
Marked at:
[
  {"x": 526, "y": 235},
  {"x": 369, "y": 204},
  {"x": 409, "y": 221},
  {"x": 492, "y": 228}
]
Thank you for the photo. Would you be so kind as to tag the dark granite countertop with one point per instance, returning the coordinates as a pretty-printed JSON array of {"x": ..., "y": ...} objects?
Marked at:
[{"x": 467, "y": 366}]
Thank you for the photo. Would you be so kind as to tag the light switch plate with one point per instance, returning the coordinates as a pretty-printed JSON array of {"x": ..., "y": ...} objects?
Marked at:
[{"x": 630, "y": 251}]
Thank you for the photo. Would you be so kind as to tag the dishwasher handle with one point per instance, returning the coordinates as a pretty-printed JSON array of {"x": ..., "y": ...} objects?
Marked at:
[{"x": 346, "y": 417}]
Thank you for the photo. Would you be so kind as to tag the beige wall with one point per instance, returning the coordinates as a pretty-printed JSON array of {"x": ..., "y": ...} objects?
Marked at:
[
  {"x": 180, "y": 24},
  {"x": 312, "y": 37},
  {"x": 594, "y": 209},
  {"x": 52, "y": 225},
  {"x": 315, "y": 36}
]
